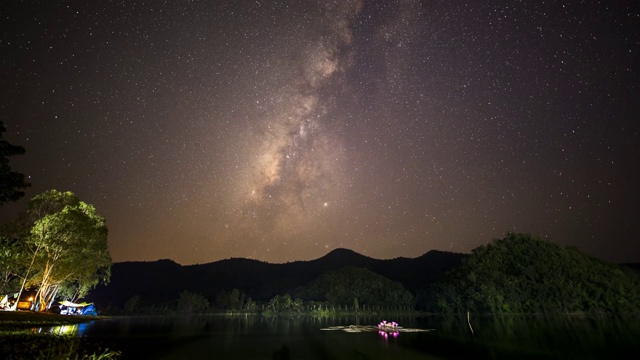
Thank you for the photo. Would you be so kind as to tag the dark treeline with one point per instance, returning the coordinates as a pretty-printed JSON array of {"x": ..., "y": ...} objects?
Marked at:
[
  {"x": 518, "y": 274},
  {"x": 156, "y": 286},
  {"x": 349, "y": 289}
]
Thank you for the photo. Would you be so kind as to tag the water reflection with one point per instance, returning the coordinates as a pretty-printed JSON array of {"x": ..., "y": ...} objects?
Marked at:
[
  {"x": 538, "y": 337},
  {"x": 246, "y": 336},
  {"x": 295, "y": 337},
  {"x": 386, "y": 335},
  {"x": 68, "y": 330}
]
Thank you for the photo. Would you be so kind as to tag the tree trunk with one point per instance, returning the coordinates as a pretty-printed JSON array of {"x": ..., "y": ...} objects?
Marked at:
[
  {"x": 55, "y": 293},
  {"x": 45, "y": 289},
  {"x": 24, "y": 281}
]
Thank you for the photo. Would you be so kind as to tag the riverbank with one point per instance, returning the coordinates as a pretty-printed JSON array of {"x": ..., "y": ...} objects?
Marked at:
[
  {"x": 21, "y": 339},
  {"x": 16, "y": 320}
]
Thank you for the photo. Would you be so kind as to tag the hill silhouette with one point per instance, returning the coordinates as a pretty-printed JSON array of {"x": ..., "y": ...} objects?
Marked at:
[
  {"x": 351, "y": 284},
  {"x": 163, "y": 280},
  {"x": 524, "y": 274}
]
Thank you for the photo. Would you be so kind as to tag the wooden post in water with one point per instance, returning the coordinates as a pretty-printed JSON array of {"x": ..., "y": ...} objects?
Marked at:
[{"x": 469, "y": 322}]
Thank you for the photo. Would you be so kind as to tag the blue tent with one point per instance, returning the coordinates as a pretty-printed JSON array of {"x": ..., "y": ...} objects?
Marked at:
[{"x": 69, "y": 308}]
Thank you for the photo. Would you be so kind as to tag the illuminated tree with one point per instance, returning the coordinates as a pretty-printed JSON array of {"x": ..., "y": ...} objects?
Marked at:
[
  {"x": 11, "y": 182},
  {"x": 12, "y": 260},
  {"x": 68, "y": 242}
]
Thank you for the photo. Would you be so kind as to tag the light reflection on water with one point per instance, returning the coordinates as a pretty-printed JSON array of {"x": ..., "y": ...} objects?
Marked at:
[
  {"x": 69, "y": 330},
  {"x": 386, "y": 335},
  {"x": 285, "y": 337}
]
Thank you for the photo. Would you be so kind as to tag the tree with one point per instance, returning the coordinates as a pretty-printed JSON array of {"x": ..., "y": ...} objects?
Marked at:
[
  {"x": 68, "y": 241},
  {"x": 11, "y": 182},
  {"x": 131, "y": 304},
  {"x": 234, "y": 299},
  {"x": 340, "y": 287},
  {"x": 190, "y": 303},
  {"x": 274, "y": 303},
  {"x": 250, "y": 305},
  {"x": 525, "y": 274},
  {"x": 12, "y": 260},
  {"x": 297, "y": 305}
]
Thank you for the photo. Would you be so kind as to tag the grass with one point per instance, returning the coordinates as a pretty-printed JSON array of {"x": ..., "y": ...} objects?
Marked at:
[
  {"x": 19, "y": 340},
  {"x": 27, "y": 319}
]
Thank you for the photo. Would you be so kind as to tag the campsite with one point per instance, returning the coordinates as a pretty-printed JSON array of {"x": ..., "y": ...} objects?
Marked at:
[{"x": 9, "y": 302}]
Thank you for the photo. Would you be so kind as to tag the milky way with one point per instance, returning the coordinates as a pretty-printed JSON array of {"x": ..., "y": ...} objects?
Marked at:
[
  {"x": 295, "y": 166},
  {"x": 279, "y": 131}
]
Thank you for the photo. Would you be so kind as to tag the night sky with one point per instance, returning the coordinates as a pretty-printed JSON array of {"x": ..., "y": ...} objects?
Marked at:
[{"x": 280, "y": 130}]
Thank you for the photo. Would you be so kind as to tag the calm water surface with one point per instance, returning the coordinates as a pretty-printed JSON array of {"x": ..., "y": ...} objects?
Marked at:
[{"x": 282, "y": 337}]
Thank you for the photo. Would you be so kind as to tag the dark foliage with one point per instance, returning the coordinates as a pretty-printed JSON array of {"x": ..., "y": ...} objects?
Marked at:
[
  {"x": 51, "y": 347},
  {"x": 522, "y": 274},
  {"x": 162, "y": 281},
  {"x": 11, "y": 182},
  {"x": 342, "y": 286}
]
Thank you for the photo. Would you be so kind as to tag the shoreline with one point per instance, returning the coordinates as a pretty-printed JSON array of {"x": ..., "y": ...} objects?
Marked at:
[{"x": 18, "y": 320}]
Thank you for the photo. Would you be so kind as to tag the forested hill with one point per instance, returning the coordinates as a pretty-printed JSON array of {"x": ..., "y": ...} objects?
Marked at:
[
  {"x": 163, "y": 280},
  {"x": 522, "y": 274}
]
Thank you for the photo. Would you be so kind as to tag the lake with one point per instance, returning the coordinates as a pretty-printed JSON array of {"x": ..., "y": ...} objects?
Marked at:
[{"x": 306, "y": 337}]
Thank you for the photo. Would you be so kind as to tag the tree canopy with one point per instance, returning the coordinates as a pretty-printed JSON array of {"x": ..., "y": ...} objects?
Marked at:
[
  {"x": 12, "y": 263},
  {"x": 524, "y": 274},
  {"x": 67, "y": 242},
  {"x": 11, "y": 182},
  {"x": 347, "y": 284}
]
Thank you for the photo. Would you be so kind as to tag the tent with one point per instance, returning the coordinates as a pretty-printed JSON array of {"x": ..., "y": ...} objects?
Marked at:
[{"x": 69, "y": 308}]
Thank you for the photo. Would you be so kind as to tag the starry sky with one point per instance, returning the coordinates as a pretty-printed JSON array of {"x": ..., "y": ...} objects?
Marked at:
[{"x": 280, "y": 130}]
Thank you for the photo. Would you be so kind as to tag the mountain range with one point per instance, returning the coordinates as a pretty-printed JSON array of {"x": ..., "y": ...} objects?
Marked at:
[{"x": 163, "y": 280}]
